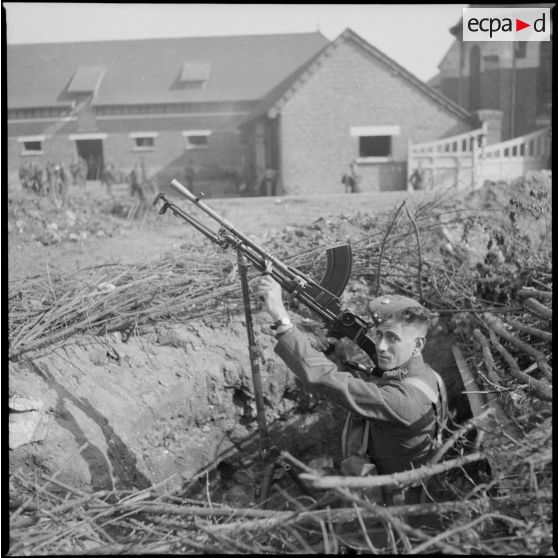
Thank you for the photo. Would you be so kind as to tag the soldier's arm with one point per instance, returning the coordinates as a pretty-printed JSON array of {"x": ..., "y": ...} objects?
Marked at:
[{"x": 393, "y": 402}]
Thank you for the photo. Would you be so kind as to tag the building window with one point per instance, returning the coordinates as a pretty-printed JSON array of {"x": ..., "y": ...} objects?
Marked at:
[
  {"x": 31, "y": 145},
  {"x": 374, "y": 142},
  {"x": 196, "y": 139},
  {"x": 143, "y": 141},
  {"x": 374, "y": 146}
]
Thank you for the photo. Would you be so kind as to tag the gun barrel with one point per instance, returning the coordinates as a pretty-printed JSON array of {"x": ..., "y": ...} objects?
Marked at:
[{"x": 179, "y": 187}]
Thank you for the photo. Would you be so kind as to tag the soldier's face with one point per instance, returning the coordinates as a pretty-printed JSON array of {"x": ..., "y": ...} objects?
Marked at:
[{"x": 396, "y": 343}]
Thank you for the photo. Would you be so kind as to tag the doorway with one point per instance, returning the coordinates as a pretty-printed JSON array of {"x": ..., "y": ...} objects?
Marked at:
[{"x": 92, "y": 151}]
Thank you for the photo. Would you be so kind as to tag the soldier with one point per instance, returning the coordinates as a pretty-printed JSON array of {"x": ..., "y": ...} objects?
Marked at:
[
  {"x": 135, "y": 184},
  {"x": 352, "y": 179},
  {"x": 416, "y": 180},
  {"x": 24, "y": 175},
  {"x": 395, "y": 410},
  {"x": 107, "y": 177},
  {"x": 83, "y": 170}
]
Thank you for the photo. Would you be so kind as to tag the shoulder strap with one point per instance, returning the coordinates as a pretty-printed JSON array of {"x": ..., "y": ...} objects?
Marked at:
[
  {"x": 344, "y": 436},
  {"x": 424, "y": 387},
  {"x": 364, "y": 446},
  {"x": 438, "y": 400}
]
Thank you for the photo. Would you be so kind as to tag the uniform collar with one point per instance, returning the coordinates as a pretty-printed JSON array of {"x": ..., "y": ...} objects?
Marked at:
[{"x": 411, "y": 368}]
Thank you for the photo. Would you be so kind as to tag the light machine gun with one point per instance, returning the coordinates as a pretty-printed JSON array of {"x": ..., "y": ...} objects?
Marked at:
[{"x": 323, "y": 297}]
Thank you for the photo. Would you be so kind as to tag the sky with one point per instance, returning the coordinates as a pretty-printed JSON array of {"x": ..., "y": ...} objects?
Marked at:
[{"x": 415, "y": 35}]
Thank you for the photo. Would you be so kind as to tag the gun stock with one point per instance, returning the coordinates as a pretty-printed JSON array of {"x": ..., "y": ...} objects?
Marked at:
[{"x": 323, "y": 298}]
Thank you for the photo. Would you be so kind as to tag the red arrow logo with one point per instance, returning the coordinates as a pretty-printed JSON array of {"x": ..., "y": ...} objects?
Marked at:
[{"x": 519, "y": 25}]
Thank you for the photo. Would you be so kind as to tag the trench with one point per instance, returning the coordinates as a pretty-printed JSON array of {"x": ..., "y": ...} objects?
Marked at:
[{"x": 192, "y": 415}]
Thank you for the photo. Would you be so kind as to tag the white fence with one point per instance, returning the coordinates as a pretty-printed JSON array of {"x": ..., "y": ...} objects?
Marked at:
[
  {"x": 466, "y": 161},
  {"x": 513, "y": 158}
]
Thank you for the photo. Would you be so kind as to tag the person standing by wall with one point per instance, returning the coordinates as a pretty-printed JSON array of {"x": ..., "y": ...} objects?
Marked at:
[{"x": 351, "y": 180}]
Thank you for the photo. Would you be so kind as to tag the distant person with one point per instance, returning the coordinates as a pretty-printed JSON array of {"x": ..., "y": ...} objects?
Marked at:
[
  {"x": 135, "y": 183},
  {"x": 74, "y": 171},
  {"x": 351, "y": 180},
  {"x": 50, "y": 171},
  {"x": 268, "y": 182},
  {"x": 416, "y": 180},
  {"x": 83, "y": 171},
  {"x": 60, "y": 185},
  {"x": 146, "y": 183},
  {"x": 107, "y": 177}
]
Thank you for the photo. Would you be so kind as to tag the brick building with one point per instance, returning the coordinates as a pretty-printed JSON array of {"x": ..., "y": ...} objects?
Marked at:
[
  {"x": 226, "y": 106},
  {"x": 512, "y": 77},
  {"x": 349, "y": 102}
]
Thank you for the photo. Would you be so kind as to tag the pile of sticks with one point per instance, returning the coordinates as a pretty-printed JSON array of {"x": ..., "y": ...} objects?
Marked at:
[
  {"x": 49, "y": 517},
  {"x": 57, "y": 305},
  {"x": 507, "y": 344}
]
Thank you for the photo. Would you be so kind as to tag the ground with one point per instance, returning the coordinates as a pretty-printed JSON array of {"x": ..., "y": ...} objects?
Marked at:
[
  {"x": 129, "y": 368},
  {"x": 128, "y": 412}
]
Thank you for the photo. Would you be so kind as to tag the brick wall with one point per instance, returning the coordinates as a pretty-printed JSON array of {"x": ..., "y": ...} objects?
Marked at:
[
  {"x": 496, "y": 88},
  {"x": 351, "y": 88},
  {"x": 168, "y": 158}
]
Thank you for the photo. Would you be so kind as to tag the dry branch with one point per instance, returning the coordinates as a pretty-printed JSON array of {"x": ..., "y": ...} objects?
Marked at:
[
  {"x": 538, "y": 309},
  {"x": 395, "y": 479},
  {"x": 487, "y": 356},
  {"x": 541, "y": 389},
  {"x": 544, "y": 335},
  {"x": 496, "y": 326},
  {"x": 530, "y": 292}
]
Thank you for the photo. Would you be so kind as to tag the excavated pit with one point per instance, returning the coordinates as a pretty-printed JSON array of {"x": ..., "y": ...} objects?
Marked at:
[{"x": 173, "y": 401}]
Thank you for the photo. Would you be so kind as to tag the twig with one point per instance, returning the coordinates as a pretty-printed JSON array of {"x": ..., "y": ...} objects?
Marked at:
[
  {"x": 373, "y": 549},
  {"x": 382, "y": 246},
  {"x": 487, "y": 355},
  {"x": 530, "y": 292},
  {"x": 545, "y": 335},
  {"x": 469, "y": 425},
  {"x": 397, "y": 479},
  {"x": 467, "y": 526},
  {"x": 541, "y": 389},
  {"x": 380, "y": 512},
  {"x": 496, "y": 326},
  {"x": 535, "y": 307},
  {"x": 51, "y": 478},
  {"x": 419, "y": 271}
]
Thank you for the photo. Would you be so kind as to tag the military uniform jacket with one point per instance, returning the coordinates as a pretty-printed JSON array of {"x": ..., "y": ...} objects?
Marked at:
[{"x": 401, "y": 416}]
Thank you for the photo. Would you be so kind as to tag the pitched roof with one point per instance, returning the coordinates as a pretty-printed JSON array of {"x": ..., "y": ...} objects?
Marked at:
[
  {"x": 243, "y": 68},
  {"x": 273, "y": 101}
]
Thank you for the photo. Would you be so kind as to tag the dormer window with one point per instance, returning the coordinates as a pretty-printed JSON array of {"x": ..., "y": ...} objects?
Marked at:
[
  {"x": 86, "y": 80},
  {"x": 194, "y": 75}
]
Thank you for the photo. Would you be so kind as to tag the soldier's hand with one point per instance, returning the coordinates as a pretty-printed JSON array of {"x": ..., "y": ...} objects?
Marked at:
[{"x": 269, "y": 292}]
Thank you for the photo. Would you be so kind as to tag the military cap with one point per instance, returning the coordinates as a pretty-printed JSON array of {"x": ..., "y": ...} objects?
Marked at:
[{"x": 382, "y": 307}]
